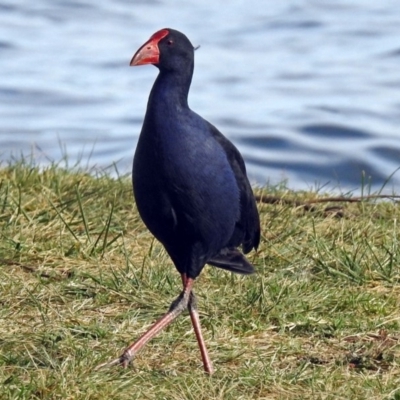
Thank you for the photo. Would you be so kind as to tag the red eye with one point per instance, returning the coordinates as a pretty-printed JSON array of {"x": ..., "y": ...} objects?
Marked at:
[{"x": 170, "y": 42}]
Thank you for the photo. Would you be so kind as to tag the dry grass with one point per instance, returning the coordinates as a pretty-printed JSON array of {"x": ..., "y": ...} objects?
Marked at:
[{"x": 81, "y": 277}]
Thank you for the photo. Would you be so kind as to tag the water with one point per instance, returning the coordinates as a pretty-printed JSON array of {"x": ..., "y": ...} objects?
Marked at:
[{"x": 308, "y": 90}]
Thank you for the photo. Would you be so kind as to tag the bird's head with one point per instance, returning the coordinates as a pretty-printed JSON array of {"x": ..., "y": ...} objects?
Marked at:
[{"x": 167, "y": 49}]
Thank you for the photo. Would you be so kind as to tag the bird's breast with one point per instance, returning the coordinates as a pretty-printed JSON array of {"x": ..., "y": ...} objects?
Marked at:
[{"x": 186, "y": 165}]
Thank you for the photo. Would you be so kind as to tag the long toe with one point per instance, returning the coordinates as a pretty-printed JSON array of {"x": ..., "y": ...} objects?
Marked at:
[{"x": 108, "y": 364}]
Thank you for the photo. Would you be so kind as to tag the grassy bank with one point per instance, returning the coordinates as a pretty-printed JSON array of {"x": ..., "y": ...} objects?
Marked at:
[{"x": 81, "y": 277}]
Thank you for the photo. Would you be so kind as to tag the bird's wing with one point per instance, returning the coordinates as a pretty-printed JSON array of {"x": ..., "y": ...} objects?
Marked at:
[{"x": 247, "y": 230}]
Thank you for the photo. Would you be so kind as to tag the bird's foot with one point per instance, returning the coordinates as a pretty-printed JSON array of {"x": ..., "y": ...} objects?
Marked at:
[{"x": 124, "y": 360}]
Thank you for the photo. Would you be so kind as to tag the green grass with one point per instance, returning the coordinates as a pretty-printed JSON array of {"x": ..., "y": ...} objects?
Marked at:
[{"x": 81, "y": 277}]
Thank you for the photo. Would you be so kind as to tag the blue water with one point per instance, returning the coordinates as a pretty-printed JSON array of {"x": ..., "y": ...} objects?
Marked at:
[{"x": 308, "y": 90}]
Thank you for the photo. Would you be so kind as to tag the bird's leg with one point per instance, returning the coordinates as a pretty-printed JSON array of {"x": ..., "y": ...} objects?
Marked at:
[
  {"x": 176, "y": 308},
  {"x": 194, "y": 316}
]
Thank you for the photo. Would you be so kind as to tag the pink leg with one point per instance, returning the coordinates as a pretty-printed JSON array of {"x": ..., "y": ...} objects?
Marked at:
[
  {"x": 194, "y": 316},
  {"x": 175, "y": 309}
]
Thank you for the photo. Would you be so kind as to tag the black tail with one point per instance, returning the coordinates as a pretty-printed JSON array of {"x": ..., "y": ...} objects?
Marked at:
[{"x": 232, "y": 260}]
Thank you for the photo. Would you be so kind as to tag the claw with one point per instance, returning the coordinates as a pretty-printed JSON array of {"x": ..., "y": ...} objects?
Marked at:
[
  {"x": 123, "y": 360},
  {"x": 126, "y": 358}
]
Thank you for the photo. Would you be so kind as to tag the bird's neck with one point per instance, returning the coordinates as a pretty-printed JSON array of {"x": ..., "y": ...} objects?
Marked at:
[{"x": 170, "y": 91}]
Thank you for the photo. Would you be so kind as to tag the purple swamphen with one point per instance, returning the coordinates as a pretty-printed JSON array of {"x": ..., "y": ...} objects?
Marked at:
[{"x": 189, "y": 183}]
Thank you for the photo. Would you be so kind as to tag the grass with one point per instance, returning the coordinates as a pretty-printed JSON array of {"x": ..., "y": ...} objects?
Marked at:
[{"x": 81, "y": 277}]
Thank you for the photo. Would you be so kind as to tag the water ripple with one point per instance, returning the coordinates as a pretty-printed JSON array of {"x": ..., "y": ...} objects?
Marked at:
[{"x": 308, "y": 92}]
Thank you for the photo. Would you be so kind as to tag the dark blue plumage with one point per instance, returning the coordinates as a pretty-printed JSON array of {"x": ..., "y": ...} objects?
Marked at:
[
  {"x": 189, "y": 181},
  {"x": 190, "y": 184}
]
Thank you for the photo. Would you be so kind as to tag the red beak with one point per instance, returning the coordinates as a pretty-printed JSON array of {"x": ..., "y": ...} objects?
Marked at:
[{"x": 149, "y": 53}]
